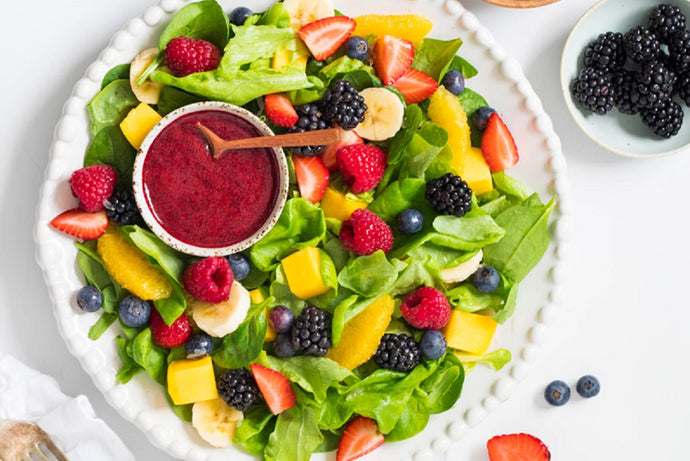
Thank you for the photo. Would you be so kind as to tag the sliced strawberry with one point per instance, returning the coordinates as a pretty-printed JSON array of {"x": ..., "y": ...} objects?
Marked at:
[
  {"x": 498, "y": 145},
  {"x": 279, "y": 110},
  {"x": 392, "y": 57},
  {"x": 81, "y": 224},
  {"x": 325, "y": 36},
  {"x": 415, "y": 86},
  {"x": 517, "y": 447},
  {"x": 312, "y": 177},
  {"x": 361, "y": 436},
  {"x": 275, "y": 388},
  {"x": 347, "y": 137}
]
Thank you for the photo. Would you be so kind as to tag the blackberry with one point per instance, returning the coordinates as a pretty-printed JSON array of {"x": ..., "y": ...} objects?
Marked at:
[
  {"x": 343, "y": 105},
  {"x": 238, "y": 388},
  {"x": 682, "y": 87},
  {"x": 679, "y": 51},
  {"x": 664, "y": 120},
  {"x": 623, "y": 81},
  {"x": 310, "y": 119},
  {"x": 449, "y": 194},
  {"x": 606, "y": 52},
  {"x": 653, "y": 85},
  {"x": 665, "y": 20},
  {"x": 397, "y": 352},
  {"x": 593, "y": 90},
  {"x": 641, "y": 44},
  {"x": 311, "y": 332},
  {"x": 122, "y": 209}
]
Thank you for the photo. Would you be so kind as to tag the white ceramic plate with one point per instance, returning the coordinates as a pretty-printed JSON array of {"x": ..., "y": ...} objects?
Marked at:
[
  {"x": 620, "y": 133},
  {"x": 542, "y": 166}
]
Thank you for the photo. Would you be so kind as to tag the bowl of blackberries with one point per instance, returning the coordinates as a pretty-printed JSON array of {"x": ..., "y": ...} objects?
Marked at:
[{"x": 625, "y": 76}]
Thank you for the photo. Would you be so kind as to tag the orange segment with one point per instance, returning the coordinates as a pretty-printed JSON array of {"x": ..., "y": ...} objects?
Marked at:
[
  {"x": 362, "y": 334},
  {"x": 412, "y": 27},
  {"x": 446, "y": 111}
]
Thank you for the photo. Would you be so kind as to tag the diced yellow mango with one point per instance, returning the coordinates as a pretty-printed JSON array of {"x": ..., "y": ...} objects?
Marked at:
[
  {"x": 191, "y": 381},
  {"x": 138, "y": 122},
  {"x": 303, "y": 272},
  {"x": 469, "y": 332},
  {"x": 258, "y": 297},
  {"x": 335, "y": 205},
  {"x": 474, "y": 170},
  {"x": 281, "y": 59}
]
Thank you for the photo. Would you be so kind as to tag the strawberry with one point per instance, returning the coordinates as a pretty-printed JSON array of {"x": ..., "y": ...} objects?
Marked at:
[
  {"x": 361, "y": 436},
  {"x": 392, "y": 57},
  {"x": 347, "y": 138},
  {"x": 93, "y": 185},
  {"x": 275, "y": 388},
  {"x": 81, "y": 224},
  {"x": 279, "y": 110},
  {"x": 498, "y": 146},
  {"x": 517, "y": 447},
  {"x": 312, "y": 177},
  {"x": 415, "y": 86},
  {"x": 325, "y": 36}
]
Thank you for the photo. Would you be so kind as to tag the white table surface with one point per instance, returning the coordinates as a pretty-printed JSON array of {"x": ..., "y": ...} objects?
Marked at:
[{"x": 625, "y": 312}]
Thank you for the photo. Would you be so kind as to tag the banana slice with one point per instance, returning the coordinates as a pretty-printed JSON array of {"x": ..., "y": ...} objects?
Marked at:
[
  {"x": 463, "y": 270},
  {"x": 220, "y": 319},
  {"x": 384, "y": 115},
  {"x": 303, "y": 12},
  {"x": 215, "y": 421},
  {"x": 149, "y": 91}
]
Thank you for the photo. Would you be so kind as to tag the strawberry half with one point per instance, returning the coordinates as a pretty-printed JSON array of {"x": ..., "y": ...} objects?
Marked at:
[
  {"x": 279, "y": 110},
  {"x": 392, "y": 57},
  {"x": 275, "y": 388},
  {"x": 415, "y": 86},
  {"x": 498, "y": 146},
  {"x": 325, "y": 36},
  {"x": 361, "y": 436},
  {"x": 81, "y": 224},
  {"x": 347, "y": 138},
  {"x": 312, "y": 177},
  {"x": 517, "y": 447}
]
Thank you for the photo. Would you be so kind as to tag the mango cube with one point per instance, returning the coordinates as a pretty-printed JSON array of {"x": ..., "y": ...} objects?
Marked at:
[
  {"x": 303, "y": 272},
  {"x": 469, "y": 332},
  {"x": 284, "y": 58},
  {"x": 191, "y": 381},
  {"x": 335, "y": 205},
  {"x": 138, "y": 122},
  {"x": 474, "y": 170},
  {"x": 258, "y": 297}
]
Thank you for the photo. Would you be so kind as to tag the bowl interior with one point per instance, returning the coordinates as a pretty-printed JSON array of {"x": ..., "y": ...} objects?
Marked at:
[{"x": 620, "y": 133}]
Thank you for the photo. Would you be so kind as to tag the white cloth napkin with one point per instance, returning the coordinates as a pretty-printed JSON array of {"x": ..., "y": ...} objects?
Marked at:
[{"x": 26, "y": 394}]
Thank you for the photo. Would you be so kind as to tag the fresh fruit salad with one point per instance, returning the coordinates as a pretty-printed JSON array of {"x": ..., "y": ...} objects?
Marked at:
[{"x": 397, "y": 255}]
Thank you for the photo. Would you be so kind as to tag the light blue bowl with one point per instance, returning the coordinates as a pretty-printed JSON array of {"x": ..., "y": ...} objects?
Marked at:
[{"x": 620, "y": 133}]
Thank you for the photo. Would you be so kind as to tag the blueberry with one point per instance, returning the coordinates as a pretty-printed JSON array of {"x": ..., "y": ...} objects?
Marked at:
[
  {"x": 280, "y": 318},
  {"x": 588, "y": 386},
  {"x": 134, "y": 311},
  {"x": 410, "y": 221},
  {"x": 239, "y": 265},
  {"x": 557, "y": 393},
  {"x": 357, "y": 48},
  {"x": 480, "y": 117},
  {"x": 486, "y": 279},
  {"x": 239, "y": 15},
  {"x": 282, "y": 346},
  {"x": 198, "y": 345},
  {"x": 433, "y": 344},
  {"x": 89, "y": 299},
  {"x": 454, "y": 82}
]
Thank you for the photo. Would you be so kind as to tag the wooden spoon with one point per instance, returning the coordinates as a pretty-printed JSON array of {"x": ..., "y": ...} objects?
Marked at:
[
  {"x": 310, "y": 138},
  {"x": 521, "y": 3}
]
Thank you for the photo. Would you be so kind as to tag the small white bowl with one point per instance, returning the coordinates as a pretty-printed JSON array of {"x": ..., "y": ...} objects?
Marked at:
[
  {"x": 155, "y": 225},
  {"x": 620, "y": 133}
]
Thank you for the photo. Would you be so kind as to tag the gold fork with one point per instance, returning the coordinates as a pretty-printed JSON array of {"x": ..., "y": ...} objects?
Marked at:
[{"x": 24, "y": 441}]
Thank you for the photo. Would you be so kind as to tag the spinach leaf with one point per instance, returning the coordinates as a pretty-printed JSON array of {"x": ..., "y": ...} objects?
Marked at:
[
  {"x": 476, "y": 229},
  {"x": 434, "y": 56},
  {"x": 103, "y": 323},
  {"x": 411, "y": 122},
  {"x": 110, "y": 105},
  {"x": 413, "y": 418},
  {"x": 172, "y": 98},
  {"x": 254, "y": 430},
  {"x": 121, "y": 71},
  {"x": 471, "y": 101},
  {"x": 150, "y": 356},
  {"x": 465, "y": 68},
  {"x": 400, "y": 195},
  {"x": 513, "y": 188},
  {"x": 243, "y": 345},
  {"x": 129, "y": 367},
  {"x": 335, "y": 411},
  {"x": 204, "y": 20},
  {"x": 422, "y": 150},
  {"x": 184, "y": 412},
  {"x": 295, "y": 437},
  {"x": 370, "y": 275},
  {"x": 110, "y": 147}
]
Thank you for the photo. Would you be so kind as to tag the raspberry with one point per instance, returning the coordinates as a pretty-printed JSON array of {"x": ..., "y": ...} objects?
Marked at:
[
  {"x": 364, "y": 233},
  {"x": 93, "y": 184},
  {"x": 186, "y": 56},
  {"x": 361, "y": 165},
  {"x": 426, "y": 308},
  {"x": 169, "y": 336},
  {"x": 209, "y": 280}
]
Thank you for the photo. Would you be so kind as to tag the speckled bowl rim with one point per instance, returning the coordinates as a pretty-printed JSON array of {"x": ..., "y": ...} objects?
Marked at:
[{"x": 147, "y": 214}]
